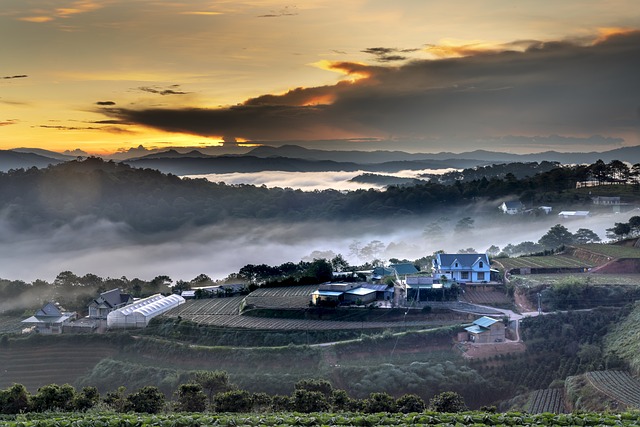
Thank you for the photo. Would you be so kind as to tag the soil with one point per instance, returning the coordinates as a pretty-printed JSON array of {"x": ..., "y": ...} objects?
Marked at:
[{"x": 523, "y": 303}]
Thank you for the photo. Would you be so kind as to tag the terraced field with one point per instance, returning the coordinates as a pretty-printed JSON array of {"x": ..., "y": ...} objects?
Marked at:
[
  {"x": 548, "y": 400},
  {"x": 208, "y": 307},
  {"x": 611, "y": 251},
  {"x": 618, "y": 385},
  {"x": 485, "y": 297},
  {"x": 594, "y": 279},
  {"x": 54, "y": 363},
  {"x": 286, "y": 297},
  {"x": 552, "y": 261},
  {"x": 10, "y": 324}
]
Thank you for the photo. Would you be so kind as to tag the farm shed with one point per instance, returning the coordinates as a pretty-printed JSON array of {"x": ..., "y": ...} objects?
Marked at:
[
  {"x": 486, "y": 330},
  {"x": 360, "y": 295},
  {"x": 138, "y": 314},
  {"x": 383, "y": 292},
  {"x": 322, "y": 297}
]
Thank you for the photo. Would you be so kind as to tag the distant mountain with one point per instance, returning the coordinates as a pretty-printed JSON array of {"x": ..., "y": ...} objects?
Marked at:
[
  {"x": 10, "y": 159},
  {"x": 228, "y": 164},
  {"x": 628, "y": 154},
  {"x": 171, "y": 154},
  {"x": 45, "y": 153}
]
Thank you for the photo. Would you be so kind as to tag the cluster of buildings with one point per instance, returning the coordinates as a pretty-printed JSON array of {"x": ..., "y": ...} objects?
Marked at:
[{"x": 112, "y": 309}]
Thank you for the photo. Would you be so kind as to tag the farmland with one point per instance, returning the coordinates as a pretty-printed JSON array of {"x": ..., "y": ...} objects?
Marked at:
[
  {"x": 548, "y": 400},
  {"x": 472, "y": 418},
  {"x": 279, "y": 298},
  {"x": 10, "y": 324},
  {"x": 611, "y": 251},
  {"x": 551, "y": 261},
  {"x": 618, "y": 385},
  {"x": 593, "y": 279}
]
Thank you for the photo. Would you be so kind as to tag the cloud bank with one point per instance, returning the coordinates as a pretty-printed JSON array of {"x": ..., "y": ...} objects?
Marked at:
[{"x": 568, "y": 88}]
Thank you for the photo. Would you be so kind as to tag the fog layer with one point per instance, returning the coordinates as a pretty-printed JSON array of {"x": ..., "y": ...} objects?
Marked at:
[{"x": 113, "y": 250}]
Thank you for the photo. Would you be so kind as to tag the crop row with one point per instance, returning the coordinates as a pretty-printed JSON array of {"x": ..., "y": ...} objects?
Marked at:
[
  {"x": 549, "y": 400},
  {"x": 248, "y": 322},
  {"x": 321, "y": 419},
  {"x": 211, "y": 306},
  {"x": 285, "y": 297},
  {"x": 10, "y": 324},
  {"x": 618, "y": 385},
  {"x": 612, "y": 251},
  {"x": 557, "y": 261}
]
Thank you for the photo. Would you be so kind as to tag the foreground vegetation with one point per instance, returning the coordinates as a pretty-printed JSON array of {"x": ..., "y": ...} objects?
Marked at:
[{"x": 284, "y": 419}]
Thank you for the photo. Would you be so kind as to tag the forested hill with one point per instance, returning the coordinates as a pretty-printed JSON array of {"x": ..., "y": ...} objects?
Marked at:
[{"x": 150, "y": 201}]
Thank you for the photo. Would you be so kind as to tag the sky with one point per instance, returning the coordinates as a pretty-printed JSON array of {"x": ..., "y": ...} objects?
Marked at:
[{"x": 103, "y": 76}]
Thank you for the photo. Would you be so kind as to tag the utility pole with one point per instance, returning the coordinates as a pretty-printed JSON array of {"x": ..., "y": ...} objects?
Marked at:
[{"x": 539, "y": 303}]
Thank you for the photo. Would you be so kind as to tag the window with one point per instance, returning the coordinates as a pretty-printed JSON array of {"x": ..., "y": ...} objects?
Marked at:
[
  {"x": 464, "y": 275},
  {"x": 481, "y": 276},
  {"x": 481, "y": 264},
  {"x": 456, "y": 265}
]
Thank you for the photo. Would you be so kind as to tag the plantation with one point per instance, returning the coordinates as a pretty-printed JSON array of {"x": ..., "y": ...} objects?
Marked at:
[
  {"x": 618, "y": 385},
  {"x": 611, "y": 251},
  {"x": 547, "y": 400},
  {"x": 551, "y": 261},
  {"x": 284, "y": 419},
  {"x": 285, "y": 297}
]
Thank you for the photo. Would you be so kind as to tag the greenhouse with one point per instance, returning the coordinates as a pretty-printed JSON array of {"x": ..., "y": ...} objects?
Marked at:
[{"x": 138, "y": 314}]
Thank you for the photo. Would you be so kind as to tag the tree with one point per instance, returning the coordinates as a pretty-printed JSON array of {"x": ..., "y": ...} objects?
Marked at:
[
  {"x": 634, "y": 224},
  {"x": 116, "y": 399},
  {"x": 557, "y": 236},
  {"x": 338, "y": 263},
  {"x": 322, "y": 386},
  {"x": 190, "y": 398},
  {"x": 493, "y": 250},
  {"x": 53, "y": 397},
  {"x": 448, "y": 401},
  {"x": 148, "y": 399},
  {"x": 380, "y": 402},
  {"x": 233, "y": 401},
  {"x": 213, "y": 382},
  {"x": 410, "y": 403},
  {"x": 584, "y": 235},
  {"x": 619, "y": 230},
  {"x": 372, "y": 250},
  {"x": 260, "y": 402},
  {"x": 86, "y": 399},
  {"x": 14, "y": 400},
  {"x": 340, "y": 401},
  {"x": 464, "y": 225},
  {"x": 309, "y": 401}
]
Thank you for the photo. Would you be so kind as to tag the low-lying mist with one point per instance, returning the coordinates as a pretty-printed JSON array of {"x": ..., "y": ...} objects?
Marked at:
[
  {"x": 113, "y": 250},
  {"x": 310, "y": 181}
]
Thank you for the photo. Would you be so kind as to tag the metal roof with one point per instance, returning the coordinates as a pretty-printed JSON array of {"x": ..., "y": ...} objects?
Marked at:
[
  {"x": 327, "y": 293},
  {"x": 475, "y": 329},
  {"x": 485, "y": 321},
  {"x": 360, "y": 291},
  {"x": 378, "y": 288},
  {"x": 404, "y": 268},
  {"x": 465, "y": 260}
]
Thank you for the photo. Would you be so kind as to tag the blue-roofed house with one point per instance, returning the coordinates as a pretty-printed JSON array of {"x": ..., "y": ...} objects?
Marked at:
[
  {"x": 360, "y": 296},
  {"x": 404, "y": 268},
  {"x": 463, "y": 268},
  {"x": 486, "y": 330},
  {"x": 107, "y": 302},
  {"x": 50, "y": 319}
]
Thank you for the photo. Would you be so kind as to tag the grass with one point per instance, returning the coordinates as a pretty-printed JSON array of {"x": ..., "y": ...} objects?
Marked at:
[
  {"x": 611, "y": 251},
  {"x": 551, "y": 261}
]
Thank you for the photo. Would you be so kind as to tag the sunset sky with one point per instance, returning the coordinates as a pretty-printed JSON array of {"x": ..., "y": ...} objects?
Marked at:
[{"x": 415, "y": 75}]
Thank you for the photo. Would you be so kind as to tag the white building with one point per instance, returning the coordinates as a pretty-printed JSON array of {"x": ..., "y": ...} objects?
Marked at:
[{"x": 138, "y": 314}]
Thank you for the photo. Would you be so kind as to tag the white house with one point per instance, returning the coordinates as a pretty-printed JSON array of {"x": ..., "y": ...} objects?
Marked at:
[
  {"x": 574, "y": 214},
  {"x": 512, "y": 207},
  {"x": 464, "y": 268}
]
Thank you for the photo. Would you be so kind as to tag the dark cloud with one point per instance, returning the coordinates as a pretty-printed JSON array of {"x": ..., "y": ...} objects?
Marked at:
[
  {"x": 286, "y": 11},
  {"x": 19, "y": 76},
  {"x": 388, "y": 54},
  {"x": 61, "y": 127},
  {"x": 550, "y": 88},
  {"x": 105, "y": 103},
  {"x": 76, "y": 152},
  {"x": 8, "y": 122},
  {"x": 160, "y": 91}
]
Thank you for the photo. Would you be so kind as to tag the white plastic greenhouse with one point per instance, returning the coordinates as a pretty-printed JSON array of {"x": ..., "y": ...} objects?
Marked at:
[{"x": 138, "y": 314}]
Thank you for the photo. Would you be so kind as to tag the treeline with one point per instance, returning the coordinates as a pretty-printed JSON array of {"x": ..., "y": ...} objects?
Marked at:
[
  {"x": 211, "y": 391},
  {"x": 148, "y": 201}
]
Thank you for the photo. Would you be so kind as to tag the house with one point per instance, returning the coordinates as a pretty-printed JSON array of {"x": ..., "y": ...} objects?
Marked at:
[
  {"x": 108, "y": 301},
  {"x": 463, "y": 268},
  {"x": 486, "y": 330},
  {"x": 512, "y": 207},
  {"x": 383, "y": 292},
  {"x": 404, "y": 268},
  {"x": 545, "y": 209},
  {"x": 601, "y": 200},
  {"x": 50, "y": 319},
  {"x": 360, "y": 296},
  {"x": 574, "y": 214}
]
